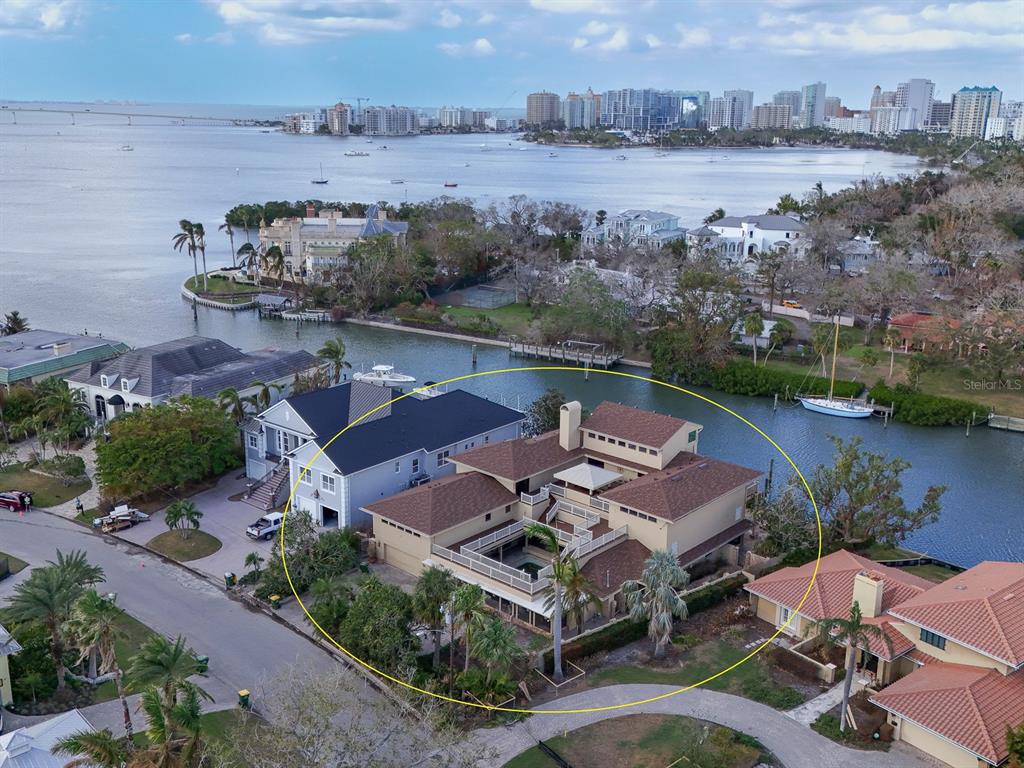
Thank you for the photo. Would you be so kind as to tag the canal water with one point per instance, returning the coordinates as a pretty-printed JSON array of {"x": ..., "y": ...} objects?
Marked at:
[{"x": 85, "y": 232}]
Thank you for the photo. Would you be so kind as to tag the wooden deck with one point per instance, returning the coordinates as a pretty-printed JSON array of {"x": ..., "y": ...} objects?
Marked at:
[
  {"x": 592, "y": 356},
  {"x": 1009, "y": 423}
]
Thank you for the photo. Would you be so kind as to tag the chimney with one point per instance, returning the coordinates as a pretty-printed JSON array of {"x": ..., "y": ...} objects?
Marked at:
[
  {"x": 60, "y": 347},
  {"x": 867, "y": 592},
  {"x": 569, "y": 418},
  {"x": 310, "y": 211},
  {"x": 332, "y": 225}
]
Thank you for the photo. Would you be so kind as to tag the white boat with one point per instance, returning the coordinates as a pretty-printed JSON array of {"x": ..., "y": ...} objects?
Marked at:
[
  {"x": 398, "y": 181},
  {"x": 552, "y": 154},
  {"x": 830, "y": 406},
  {"x": 321, "y": 180},
  {"x": 384, "y": 376},
  {"x": 661, "y": 154},
  {"x": 127, "y": 148},
  {"x": 357, "y": 154},
  {"x": 465, "y": 165}
]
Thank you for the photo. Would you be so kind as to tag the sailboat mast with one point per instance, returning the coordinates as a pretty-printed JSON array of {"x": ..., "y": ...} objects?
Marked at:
[{"x": 835, "y": 354}]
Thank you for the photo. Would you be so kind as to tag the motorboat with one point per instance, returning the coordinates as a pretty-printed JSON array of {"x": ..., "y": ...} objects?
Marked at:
[
  {"x": 620, "y": 157},
  {"x": 830, "y": 406},
  {"x": 429, "y": 389},
  {"x": 384, "y": 376},
  {"x": 451, "y": 184},
  {"x": 552, "y": 154},
  {"x": 398, "y": 181},
  {"x": 465, "y": 165},
  {"x": 127, "y": 148},
  {"x": 352, "y": 153},
  {"x": 383, "y": 147}
]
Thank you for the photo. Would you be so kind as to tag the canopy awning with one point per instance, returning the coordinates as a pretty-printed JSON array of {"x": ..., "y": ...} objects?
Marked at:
[
  {"x": 588, "y": 476},
  {"x": 115, "y": 400}
]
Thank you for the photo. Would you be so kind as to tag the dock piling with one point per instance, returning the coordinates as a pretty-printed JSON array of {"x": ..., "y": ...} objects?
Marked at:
[
  {"x": 474, "y": 355},
  {"x": 775, "y": 405}
]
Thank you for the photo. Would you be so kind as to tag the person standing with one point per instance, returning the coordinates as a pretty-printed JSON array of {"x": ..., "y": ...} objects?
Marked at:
[
  {"x": 28, "y": 502},
  {"x": 23, "y": 498}
]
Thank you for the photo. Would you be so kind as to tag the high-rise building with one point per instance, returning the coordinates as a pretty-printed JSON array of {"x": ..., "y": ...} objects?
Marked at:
[
  {"x": 693, "y": 107},
  {"x": 641, "y": 109},
  {"x": 918, "y": 95},
  {"x": 888, "y": 121},
  {"x": 745, "y": 105},
  {"x": 888, "y": 99},
  {"x": 390, "y": 121},
  {"x": 876, "y": 97},
  {"x": 939, "y": 116},
  {"x": 337, "y": 119},
  {"x": 792, "y": 99},
  {"x": 581, "y": 110},
  {"x": 832, "y": 106},
  {"x": 771, "y": 116},
  {"x": 856, "y": 122},
  {"x": 972, "y": 107},
  {"x": 543, "y": 108},
  {"x": 725, "y": 112},
  {"x": 812, "y": 114}
]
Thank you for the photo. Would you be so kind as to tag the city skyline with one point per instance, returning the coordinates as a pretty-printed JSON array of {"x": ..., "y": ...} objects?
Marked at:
[{"x": 492, "y": 54}]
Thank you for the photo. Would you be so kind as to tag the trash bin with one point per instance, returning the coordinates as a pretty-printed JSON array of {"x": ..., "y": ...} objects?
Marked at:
[
  {"x": 229, "y": 579},
  {"x": 275, "y": 601},
  {"x": 204, "y": 664},
  {"x": 243, "y": 699}
]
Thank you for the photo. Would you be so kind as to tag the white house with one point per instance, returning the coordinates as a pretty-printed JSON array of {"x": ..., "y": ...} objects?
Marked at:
[
  {"x": 737, "y": 239},
  {"x": 194, "y": 365},
  {"x": 405, "y": 443},
  {"x": 635, "y": 227},
  {"x": 30, "y": 747}
]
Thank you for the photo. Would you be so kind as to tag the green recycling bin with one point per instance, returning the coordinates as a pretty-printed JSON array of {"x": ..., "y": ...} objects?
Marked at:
[
  {"x": 243, "y": 699},
  {"x": 275, "y": 601},
  {"x": 229, "y": 579},
  {"x": 203, "y": 663}
]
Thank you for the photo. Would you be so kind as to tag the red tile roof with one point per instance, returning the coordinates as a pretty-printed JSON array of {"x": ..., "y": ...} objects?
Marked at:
[
  {"x": 633, "y": 424},
  {"x": 912, "y": 326},
  {"x": 982, "y": 608},
  {"x": 970, "y": 706},
  {"x": 689, "y": 483},
  {"x": 832, "y": 592},
  {"x": 900, "y": 644},
  {"x": 519, "y": 459},
  {"x": 444, "y": 503}
]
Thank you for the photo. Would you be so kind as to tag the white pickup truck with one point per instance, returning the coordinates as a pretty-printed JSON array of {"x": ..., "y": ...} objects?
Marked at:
[{"x": 266, "y": 526}]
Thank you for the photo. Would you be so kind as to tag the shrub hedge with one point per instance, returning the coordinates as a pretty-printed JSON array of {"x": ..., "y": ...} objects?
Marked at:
[
  {"x": 741, "y": 377},
  {"x": 921, "y": 409}
]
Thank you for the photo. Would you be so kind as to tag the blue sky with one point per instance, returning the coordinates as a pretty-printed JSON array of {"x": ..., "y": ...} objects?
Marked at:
[{"x": 492, "y": 53}]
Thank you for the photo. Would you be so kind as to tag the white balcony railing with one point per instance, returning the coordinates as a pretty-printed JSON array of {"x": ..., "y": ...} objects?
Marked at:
[
  {"x": 483, "y": 542},
  {"x": 592, "y": 518},
  {"x": 592, "y": 546},
  {"x": 535, "y": 498},
  {"x": 492, "y": 569}
]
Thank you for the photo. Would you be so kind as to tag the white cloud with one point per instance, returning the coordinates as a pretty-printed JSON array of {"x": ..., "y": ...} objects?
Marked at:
[
  {"x": 221, "y": 38},
  {"x": 653, "y": 41},
  {"x": 693, "y": 37},
  {"x": 40, "y": 18},
  {"x": 449, "y": 19},
  {"x": 595, "y": 28},
  {"x": 600, "y": 7},
  {"x": 184, "y": 38},
  {"x": 479, "y": 47},
  {"x": 579, "y": 43},
  {"x": 617, "y": 42},
  {"x": 486, "y": 18}
]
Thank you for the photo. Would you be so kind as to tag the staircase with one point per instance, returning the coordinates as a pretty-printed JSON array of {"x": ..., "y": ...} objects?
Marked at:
[{"x": 263, "y": 494}]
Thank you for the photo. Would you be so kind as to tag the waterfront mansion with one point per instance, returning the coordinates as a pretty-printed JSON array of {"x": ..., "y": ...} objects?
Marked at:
[{"x": 613, "y": 487}]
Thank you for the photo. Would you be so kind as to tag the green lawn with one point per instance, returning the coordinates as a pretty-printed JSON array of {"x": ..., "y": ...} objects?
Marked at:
[
  {"x": 649, "y": 741},
  {"x": 513, "y": 319},
  {"x": 751, "y": 679},
  {"x": 885, "y": 552},
  {"x": 934, "y": 573},
  {"x": 46, "y": 491},
  {"x": 220, "y": 285},
  {"x": 171, "y": 544},
  {"x": 13, "y": 563}
]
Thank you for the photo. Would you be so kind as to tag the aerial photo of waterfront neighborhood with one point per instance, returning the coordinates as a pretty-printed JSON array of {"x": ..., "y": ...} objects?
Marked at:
[{"x": 664, "y": 408}]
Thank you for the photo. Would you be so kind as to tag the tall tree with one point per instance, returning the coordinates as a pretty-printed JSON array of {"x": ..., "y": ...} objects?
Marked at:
[
  {"x": 265, "y": 393},
  {"x": 544, "y": 413},
  {"x": 549, "y": 539},
  {"x": 182, "y": 515},
  {"x": 333, "y": 352},
  {"x": 753, "y": 326},
  {"x": 496, "y": 646},
  {"x": 769, "y": 265},
  {"x": 186, "y": 240},
  {"x": 226, "y": 227},
  {"x": 654, "y": 597},
  {"x": 273, "y": 262},
  {"x": 891, "y": 340},
  {"x": 13, "y": 323},
  {"x": 433, "y": 593},
  {"x": 166, "y": 665},
  {"x": 778, "y": 336},
  {"x": 854, "y": 633},
  {"x": 578, "y": 592},
  {"x": 469, "y": 609},
  {"x": 249, "y": 258},
  {"x": 200, "y": 234}
]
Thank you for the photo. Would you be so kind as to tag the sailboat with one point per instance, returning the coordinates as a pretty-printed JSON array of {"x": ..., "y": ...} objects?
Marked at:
[
  {"x": 321, "y": 180},
  {"x": 830, "y": 405}
]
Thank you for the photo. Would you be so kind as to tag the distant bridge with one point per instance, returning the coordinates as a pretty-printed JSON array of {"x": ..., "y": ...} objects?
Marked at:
[{"x": 182, "y": 119}]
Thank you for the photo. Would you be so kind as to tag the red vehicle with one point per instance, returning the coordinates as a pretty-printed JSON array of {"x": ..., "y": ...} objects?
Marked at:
[{"x": 11, "y": 500}]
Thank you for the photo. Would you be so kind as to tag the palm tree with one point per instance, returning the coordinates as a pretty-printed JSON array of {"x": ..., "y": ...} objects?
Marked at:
[
  {"x": 468, "y": 604},
  {"x": 577, "y": 592},
  {"x": 182, "y": 515},
  {"x": 250, "y": 259},
  {"x": 186, "y": 239},
  {"x": 549, "y": 539},
  {"x": 47, "y": 596},
  {"x": 166, "y": 665},
  {"x": 97, "y": 624},
  {"x": 496, "y": 646},
  {"x": 93, "y": 749},
  {"x": 780, "y": 333},
  {"x": 333, "y": 351},
  {"x": 852, "y": 633},
  {"x": 254, "y": 560},
  {"x": 715, "y": 215},
  {"x": 654, "y": 597},
  {"x": 13, "y": 323},
  {"x": 753, "y": 326},
  {"x": 63, "y": 407},
  {"x": 433, "y": 592},
  {"x": 273, "y": 261},
  {"x": 201, "y": 245},
  {"x": 265, "y": 393},
  {"x": 891, "y": 341},
  {"x": 226, "y": 227}
]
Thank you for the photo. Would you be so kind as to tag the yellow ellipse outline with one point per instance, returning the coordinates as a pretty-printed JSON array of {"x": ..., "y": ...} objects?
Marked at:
[{"x": 410, "y": 686}]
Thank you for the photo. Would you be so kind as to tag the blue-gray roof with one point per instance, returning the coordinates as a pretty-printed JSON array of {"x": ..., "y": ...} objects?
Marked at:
[
  {"x": 376, "y": 226},
  {"x": 35, "y": 353},
  {"x": 412, "y": 424}
]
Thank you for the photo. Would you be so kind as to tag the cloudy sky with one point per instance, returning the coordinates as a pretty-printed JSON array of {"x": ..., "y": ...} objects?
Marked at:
[{"x": 493, "y": 52}]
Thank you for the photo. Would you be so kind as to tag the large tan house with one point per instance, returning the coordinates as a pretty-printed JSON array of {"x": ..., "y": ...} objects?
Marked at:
[
  {"x": 951, "y": 677},
  {"x": 613, "y": 488}
]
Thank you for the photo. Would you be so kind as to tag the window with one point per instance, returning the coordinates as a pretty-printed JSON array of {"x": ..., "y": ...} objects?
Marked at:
[
  {"x": 415, "y": 466},
  {"x": 442, "y": 457},
  {"x": 104, "y": 381},
  {"x": 642, "y": 449},
  {"x": 622, "y": 443},
  {"x": 933, "y": 639},
  {"x": 305, "y": 476},
  {"x": 654, "y": 451},
  {"x": 487, "y": 439},
  {"x": 591, "y": 435},
  {"x": 632, "y": 446},
  {"x": 487, "y": 516},
  {"x": 692, "y": 437},
  {"x": 254, "y": 441},
  {"x": 124, "y": 385},
  {"x": 398, "y": 466},
  {"x": 327, "y": 483},
  {"x": 602, "y": 438},
  {"x": 784, "y": 614}
]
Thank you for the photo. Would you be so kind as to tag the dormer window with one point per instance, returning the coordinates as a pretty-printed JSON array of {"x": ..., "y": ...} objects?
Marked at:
[
  {"x": 107, "y": 381},
  {"x": 124, "y": 385}
]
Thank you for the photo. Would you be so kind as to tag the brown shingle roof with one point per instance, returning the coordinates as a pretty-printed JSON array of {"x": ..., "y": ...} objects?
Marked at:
[
  {"x": 633, "y": 424},
  {"x": 519, "y": 459},
  {"x": 832, "y": 593},
  {"x": 983, "y": 608},
  {"x": 676, "y": 491},
  {"x": 607, "y": 570},
  {"x": 970, "y": 706},
  {"x": 444, "y": 503}
]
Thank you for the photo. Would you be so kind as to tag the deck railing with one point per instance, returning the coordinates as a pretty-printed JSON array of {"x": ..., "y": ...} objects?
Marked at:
[
  {"x": 485, "y": 541},
  {"x": 535, "y": 498},
  {"x": 576, "y": 510},
  {"x": 492, "y": 569},
  {"x": 592, "y": 546}
]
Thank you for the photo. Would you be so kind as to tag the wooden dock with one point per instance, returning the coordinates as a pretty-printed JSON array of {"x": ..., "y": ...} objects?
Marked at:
[
  {"x": 578, "y": 352},
  {"x": 1009, "y": 423}
]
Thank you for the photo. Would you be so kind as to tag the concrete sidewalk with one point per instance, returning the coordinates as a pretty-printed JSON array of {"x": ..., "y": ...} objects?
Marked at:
[{"x": 809, "y": 711}]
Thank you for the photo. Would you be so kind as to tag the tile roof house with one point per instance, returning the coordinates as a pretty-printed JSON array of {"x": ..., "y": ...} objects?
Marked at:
[
  {"x": 953, "y": 671},
  {"x": 613, "y": 487},
  {"x": 386, "y": 447},
  {"x": 37, "y": 354},
  {"x": 193, "y": 365}
]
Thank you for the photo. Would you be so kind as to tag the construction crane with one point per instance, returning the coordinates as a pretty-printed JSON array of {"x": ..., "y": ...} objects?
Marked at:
[{"x": 359, "y": 106}]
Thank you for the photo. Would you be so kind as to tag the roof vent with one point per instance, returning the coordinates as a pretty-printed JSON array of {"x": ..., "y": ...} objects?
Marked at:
[
  {"x": 1009, "y": 596},
  {"x": 960, "y": 587}
]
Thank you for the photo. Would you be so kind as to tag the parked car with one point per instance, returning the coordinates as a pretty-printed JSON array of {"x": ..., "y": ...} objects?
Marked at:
[
  {"x": 11, "y": 500},
  {"x": 266, "y": 526},
  {"x": 792, "y": 304}
]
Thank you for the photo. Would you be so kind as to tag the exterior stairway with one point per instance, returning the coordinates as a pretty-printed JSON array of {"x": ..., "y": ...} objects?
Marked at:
[{"x": 264, "y": 493}]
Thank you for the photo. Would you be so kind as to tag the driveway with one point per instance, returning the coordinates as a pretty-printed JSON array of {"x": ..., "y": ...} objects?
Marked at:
[{"x": 797, "y": 746}]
